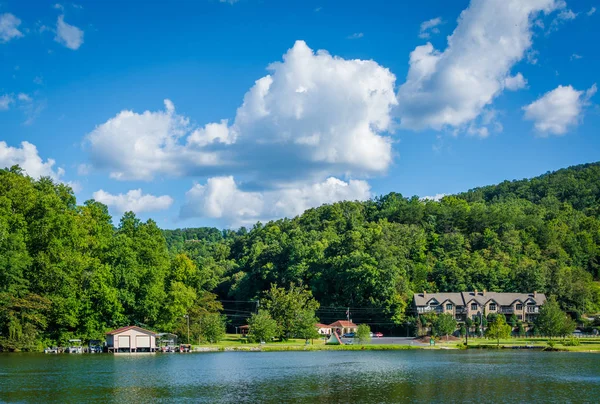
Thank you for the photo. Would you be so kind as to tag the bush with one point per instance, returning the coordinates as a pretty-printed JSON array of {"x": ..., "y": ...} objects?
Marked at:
[
  {"x": 551, "y": 344},
  {"x": 571, "y": 342},
  {"x": 363, "y": 334}
]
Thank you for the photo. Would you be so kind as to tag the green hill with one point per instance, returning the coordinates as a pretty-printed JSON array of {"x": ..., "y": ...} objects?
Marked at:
[{"x": 66, "y": 271}]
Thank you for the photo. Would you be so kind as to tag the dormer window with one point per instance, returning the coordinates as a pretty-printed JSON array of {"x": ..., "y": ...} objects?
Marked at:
[
  {"x": 449, "y": 306},
  {"x": 492, "y": 306},
  {"x": 473, "y": 306}
]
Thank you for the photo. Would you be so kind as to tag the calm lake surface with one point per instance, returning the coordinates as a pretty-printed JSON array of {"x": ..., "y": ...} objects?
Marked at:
[{"x": 322, "y": 377}]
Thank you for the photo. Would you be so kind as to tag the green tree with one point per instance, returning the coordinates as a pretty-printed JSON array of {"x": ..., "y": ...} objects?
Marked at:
[
  {"x": 287, "y": 307},
  {"x": 363, "y": 334},
  {"x": 212, "y": 328},
  {"x": 304, "y": 325},
  {"x": 498, "y": 329},
  {"x": 443, "y": 324},
  {"x": 520, "y": 329},
  {"x": 262, "y": 327},
  {"x": 513, "y": 321},
  {"x": 552, "y": 321}
]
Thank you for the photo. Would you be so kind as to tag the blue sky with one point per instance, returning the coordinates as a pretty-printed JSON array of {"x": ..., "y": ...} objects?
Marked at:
[{"x": 211, "y": 113}]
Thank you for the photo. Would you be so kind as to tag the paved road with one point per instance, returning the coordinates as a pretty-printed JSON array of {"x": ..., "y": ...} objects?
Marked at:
[{"x": 391, "y": 340}]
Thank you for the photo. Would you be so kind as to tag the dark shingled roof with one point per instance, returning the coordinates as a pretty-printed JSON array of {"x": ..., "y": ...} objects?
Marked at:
[{"x": 464, "y": 298}]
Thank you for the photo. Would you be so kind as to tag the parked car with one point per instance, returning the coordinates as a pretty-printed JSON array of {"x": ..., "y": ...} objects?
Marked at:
[
  {"x": 348, "y": 335},
  {"x": 378, "y": 335}
]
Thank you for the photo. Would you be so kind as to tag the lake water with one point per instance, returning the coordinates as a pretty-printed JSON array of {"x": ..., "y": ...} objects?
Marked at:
[{"x": 304, "y": 377}]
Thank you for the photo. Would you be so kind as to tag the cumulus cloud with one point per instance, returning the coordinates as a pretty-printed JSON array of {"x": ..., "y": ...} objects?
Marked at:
[
  {"x": 5, "y": 101},
  {"x": 591, "y": 12},
  {"x": 515, "y": 82},
  {"x": 436, "y": 197},
  {"x": 134, "y": 200},
  {"x": 29, "y": 160},
  {"x": 430, "y": 27},
  {"x": 139, "y": 146},
  {"x": 9, "y": 27},
  {"x": 451, "y": 88},
  {"x": 24, "y": 97},
  {"x": 68, "y": 35},
  {"x": 558, "y": 110},
  {"x": 221, "y": 198},
  {"x": 313, "y": 116}
]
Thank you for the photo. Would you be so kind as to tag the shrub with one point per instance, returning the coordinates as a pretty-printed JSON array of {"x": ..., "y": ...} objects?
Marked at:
[{"x": 571, "y": 342}]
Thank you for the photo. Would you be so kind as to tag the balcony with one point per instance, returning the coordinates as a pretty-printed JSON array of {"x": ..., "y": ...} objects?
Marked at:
[
  {"x": 532, "y": 309},
  {"x": 430, "y": 309}
]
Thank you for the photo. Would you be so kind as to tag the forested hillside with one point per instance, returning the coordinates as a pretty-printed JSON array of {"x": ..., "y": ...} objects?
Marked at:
[{"x": 66, "y": 271}]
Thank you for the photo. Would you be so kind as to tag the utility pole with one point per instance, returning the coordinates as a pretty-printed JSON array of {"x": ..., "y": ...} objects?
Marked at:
[{"x": 188, "y": 327}]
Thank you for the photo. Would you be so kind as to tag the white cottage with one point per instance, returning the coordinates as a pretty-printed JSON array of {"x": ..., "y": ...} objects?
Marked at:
[{"x": 131, "y": 339}]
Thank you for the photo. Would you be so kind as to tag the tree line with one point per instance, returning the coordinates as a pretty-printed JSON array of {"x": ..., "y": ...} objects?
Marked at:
[{"x": 66, "y": 271}]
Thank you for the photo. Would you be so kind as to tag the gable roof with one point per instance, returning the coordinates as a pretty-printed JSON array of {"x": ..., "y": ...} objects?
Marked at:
[
  {"x": 482, "y": 298},
  {"x": 130, "y": 327},
  {"x": 501, "y": 298},
  {"x": 343, "y": 324},
  {"x": 319, "y": 325},
  {"x": 422, "y": 299}
]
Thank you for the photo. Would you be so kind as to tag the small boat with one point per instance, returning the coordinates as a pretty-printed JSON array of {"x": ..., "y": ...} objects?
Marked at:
[
  {"x": 53, "y": 350},
  {"x": 75, "y": 346}
]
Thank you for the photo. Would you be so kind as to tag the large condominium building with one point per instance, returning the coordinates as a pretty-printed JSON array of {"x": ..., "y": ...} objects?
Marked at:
[{"x": 463, "y": 305}]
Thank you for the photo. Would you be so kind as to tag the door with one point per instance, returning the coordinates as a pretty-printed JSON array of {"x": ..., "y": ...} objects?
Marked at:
[
  {"x": 142, "y": 341},
  {"x": 123, "y": 341}
]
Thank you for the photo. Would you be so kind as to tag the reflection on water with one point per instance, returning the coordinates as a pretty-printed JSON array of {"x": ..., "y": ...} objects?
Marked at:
[{"x": 322, "y": 377}]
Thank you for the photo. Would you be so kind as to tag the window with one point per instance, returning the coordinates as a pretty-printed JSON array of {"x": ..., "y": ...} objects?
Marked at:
[
  {"x": 519, "y": 317},
  {"x": 473, "y": 306},
  {"x": 492, "y": 306},
  {"x": 449, "y": 306},
  {"x": 519, "y": 307}
]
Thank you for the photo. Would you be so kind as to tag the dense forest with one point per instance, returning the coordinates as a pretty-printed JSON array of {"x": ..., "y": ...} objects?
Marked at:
[{"x": 66, "y": 271}]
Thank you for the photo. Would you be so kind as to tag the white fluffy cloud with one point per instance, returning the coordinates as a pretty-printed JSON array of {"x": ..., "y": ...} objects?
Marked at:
[
  {"x": 9, "y": 27},
  {"x": 436, "y": 197},
  {"x": 558, "y": 110},
  {"x": 221, "y": 198},
  {"x": 141, "y": 146},
  {"x": 313, "y": 116},
  {"x": 430, "y": 27},
  {"x": 134, "y": 200},
  {"x": 5, "y": 101},
  {"x": 28, "y": 159},
  {"x": 515, "y": 82},
  {"x": 68, "y": 35},
  {"x": 453, "y": 87}
]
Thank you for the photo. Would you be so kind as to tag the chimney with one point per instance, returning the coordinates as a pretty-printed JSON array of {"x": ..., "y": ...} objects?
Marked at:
[
  {"x": 484, "y": 292},
  {"x": 475, "y": 292},
  {"x": 424, "y": 293},
  {"x": 534, "y": 294}
]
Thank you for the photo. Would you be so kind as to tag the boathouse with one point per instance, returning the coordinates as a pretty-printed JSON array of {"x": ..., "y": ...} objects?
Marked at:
[{"x": 130, "y": 339}]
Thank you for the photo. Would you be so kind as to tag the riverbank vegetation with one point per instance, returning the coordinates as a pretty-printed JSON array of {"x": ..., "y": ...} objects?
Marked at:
[{"x": 67, "y": 272}]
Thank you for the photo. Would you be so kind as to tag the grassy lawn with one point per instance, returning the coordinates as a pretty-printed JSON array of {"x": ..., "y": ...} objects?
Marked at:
[
  {"x": 585, "y": 344},
  {"x": 236, "y": 342},
  {"x": 233, "y": 340}
]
